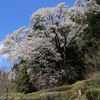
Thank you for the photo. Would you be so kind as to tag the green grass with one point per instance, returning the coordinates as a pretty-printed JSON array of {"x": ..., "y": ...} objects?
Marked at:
[{"x": 69, "y": 92}]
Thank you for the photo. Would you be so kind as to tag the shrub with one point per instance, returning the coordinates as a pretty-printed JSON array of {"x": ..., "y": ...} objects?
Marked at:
[{"x": 93, "y": 94}]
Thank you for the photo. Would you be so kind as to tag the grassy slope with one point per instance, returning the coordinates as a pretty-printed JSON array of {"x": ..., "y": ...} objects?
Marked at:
[{"x": 70, "y": 91}]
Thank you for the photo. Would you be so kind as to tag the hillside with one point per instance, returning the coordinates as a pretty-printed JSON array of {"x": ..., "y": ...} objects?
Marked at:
[
  {"x": 69, "y": 92},
  {"x": 57, "y": 57}
]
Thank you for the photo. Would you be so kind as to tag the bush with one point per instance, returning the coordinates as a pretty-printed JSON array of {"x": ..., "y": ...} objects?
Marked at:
[
  {"x": 93, "y": 94},
  {"x": 24, "y": 85}
]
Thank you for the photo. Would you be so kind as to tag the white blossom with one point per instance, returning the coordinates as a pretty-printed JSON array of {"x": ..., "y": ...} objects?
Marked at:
[{"x": 51, "y": 29}]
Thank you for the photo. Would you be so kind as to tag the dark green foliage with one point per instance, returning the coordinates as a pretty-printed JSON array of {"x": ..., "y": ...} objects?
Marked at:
[
  {"x": 91, "y": 40},
  {"x": 94, "y": 25},
  {"x": 16, "y": 65},
  {"x": 93, "y": 94},
  {"x": 23, "y": 81},
  {"x": 75, "y": 62},
  {"x": 98, "y": 2},
  {"x": 24, "y": 84},
  {"x": 25, "y": 77}
]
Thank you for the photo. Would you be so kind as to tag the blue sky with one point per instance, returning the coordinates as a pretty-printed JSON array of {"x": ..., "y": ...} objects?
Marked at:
[{"x": 16, "y": 13}]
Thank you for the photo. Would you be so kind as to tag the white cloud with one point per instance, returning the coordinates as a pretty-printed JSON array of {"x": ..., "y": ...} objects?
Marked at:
[
  {"x": 1, "y": 46},
  {"x": 2, "y": 56}
]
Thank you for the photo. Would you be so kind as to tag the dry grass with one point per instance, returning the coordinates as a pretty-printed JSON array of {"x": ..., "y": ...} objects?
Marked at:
[{"x": 63, "y": 91}]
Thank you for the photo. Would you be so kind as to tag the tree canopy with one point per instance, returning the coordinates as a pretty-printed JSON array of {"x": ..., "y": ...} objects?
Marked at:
[{"x": 50, "y": 45}]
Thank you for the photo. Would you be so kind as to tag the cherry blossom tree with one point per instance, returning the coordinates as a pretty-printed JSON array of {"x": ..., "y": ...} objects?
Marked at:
[
  {"x": 51, "y": 32},
  {"x": 60, "y": 25}
]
